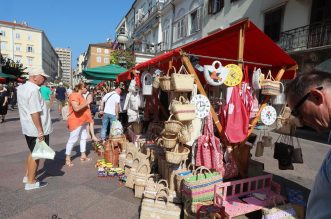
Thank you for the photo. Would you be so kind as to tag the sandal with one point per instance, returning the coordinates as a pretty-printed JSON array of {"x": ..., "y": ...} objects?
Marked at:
[
  {"x": 85, "y": 159},
  {"x": 69, "y": 163}
]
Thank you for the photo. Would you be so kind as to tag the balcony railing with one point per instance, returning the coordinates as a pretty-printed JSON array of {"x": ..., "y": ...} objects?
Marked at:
[
  {"x": 306, "y": 37},
  {"x": 150, "y": 48},
  {"x": 149, "y": 13}
]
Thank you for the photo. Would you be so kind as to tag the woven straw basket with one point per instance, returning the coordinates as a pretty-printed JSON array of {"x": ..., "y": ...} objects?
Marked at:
[
  {"x": 172, "y": 126},
  {"x": 165, "y": 81},
  {"x": 176, "y": 156},
  {"x": 182, "y": 81},
  {"x": 183, "y": 109},
  {"x": 271, "y": 87},
  {"x": 168, "y": 141},
  {"x": 156, "y": 82}
]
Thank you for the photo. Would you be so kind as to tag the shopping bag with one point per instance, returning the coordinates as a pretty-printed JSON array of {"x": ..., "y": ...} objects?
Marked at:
[
  {"x": 42, "y": 151},
  {"x": 65, "y": 112},
  {"x": 116, "y": 128}
]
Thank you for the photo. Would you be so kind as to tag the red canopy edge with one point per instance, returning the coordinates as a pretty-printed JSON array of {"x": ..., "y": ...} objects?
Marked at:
[{"x": 225, "y": 44}]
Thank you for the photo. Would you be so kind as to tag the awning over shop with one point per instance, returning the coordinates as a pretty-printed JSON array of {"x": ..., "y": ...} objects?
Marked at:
[
  {"x": 258, "y": 48},
  {"x": 107, "y": 72},
  {"x": 3, "y": 75}
]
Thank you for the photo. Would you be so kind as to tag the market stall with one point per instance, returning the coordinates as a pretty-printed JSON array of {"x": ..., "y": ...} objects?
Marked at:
[
  {"x": 174, "y": 102},
  {"x": 107, "y": 72}
]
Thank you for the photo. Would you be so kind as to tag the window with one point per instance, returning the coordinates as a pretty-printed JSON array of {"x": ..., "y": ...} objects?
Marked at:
[
  {"x": 98, "y": 59},
  {"x": 17, "y": 47},
  {"x": 180, "y": 29},
  {"x": 17, "y": 58},
  {"x": 29, "y": 37},
  {"x": 98, "y": 50},
  {"x": 195, "y": 20},
  {"x": 106, "y": 51},
  {"x": 29, "y": 48},
  {"x": 30, "y": 61},
  {"x": 273, "y": 23},
  {"x": 18, "y": 35},
  {"x": 3, "y": 45},
  {"x": 166, "y": 39},
  {"x": 106, "y": 60},
  {"x": 2, "y": 33},
  {"x": 215, "y": 6}
]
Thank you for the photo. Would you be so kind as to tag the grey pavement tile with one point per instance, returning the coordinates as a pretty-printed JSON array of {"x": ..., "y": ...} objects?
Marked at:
[
  {"x": 105, "y": 185},
  {"x": 110, "y": 208},
  {"x": 126, "y": 194},
  {"x": 40, "y": 211}
]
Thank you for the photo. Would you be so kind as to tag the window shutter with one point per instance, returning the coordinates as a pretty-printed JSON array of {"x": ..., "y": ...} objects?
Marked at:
[
  {"x": 210, "y": 6},
  {"x": 199, "y": 21},
  {"x": 174, "y": 32}
]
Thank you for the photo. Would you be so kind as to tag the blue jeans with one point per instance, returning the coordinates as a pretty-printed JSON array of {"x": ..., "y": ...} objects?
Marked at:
[{"x": 105, "y": 121}]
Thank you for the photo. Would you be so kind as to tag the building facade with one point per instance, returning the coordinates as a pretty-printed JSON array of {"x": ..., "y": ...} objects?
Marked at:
[
  {"x": 29, "y": 46},
  {"x": 98, "y": 55},
  {"x": 301, "y": 27},
  {"x": 65, "y": 58},
  {"x": 77, "y": 73}
]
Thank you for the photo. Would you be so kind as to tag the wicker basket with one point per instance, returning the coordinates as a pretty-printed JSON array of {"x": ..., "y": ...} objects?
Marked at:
[
  {"x": 172, "y": 126},
  {"x": 183, "y": 109},
  {"x": 137, "y": 127},
  {"x": 176, "y": 156},
  {"x": 182, "y": 81},
  {"x": 168, "y": 141},
  {"x": 271, "y": 87},
  {"x": 184, "y": 135},
  {"x": 156, "y": 82},
  {"x": 180, "y": 176},
  {"x": 165, "y": 81},
  {"x": 152, "y": 188}
]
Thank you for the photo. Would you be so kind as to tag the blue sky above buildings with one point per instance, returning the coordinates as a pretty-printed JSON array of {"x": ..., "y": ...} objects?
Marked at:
[{"x": 69, "y": 23}]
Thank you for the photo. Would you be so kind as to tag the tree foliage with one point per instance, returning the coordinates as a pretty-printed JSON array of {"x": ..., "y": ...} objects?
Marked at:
[
  {"x": 123, "y": 58},
  {"x": 12, "y": 68}
]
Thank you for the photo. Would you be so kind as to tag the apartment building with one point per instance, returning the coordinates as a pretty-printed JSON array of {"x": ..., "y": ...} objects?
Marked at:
[
  {"x": 29, "y": 46},
  {"x": 300, "y": 27},
  {"x": 77, "y": 73},
  {"x": 98, "y": 55},
  {"x": 65, "y": 58}
]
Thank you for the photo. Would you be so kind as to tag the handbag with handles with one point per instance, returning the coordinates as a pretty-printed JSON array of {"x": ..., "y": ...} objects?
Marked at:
[
  {"x": 42, "y": 151},
  {"x": 257, "y": 78},
  {"x": 283, "y": 152}
]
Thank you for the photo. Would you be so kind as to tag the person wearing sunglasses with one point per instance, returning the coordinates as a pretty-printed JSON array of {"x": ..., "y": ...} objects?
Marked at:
[{"x": 309, "y": 97}]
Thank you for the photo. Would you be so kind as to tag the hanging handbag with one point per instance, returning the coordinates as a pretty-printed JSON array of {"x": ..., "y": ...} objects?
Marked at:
[
  {"x": 246, "y": 93},
  {"x": 297, "y": 152},
  {"x": 271, "y": 87},
  {"x": 146, "y": 81},
  {"x": 182, "y": 81},
  {"x": 283, "y": 152},
  {"x": 259, "y": 148},
  {"x": 183, "y": 109},
  {"x": 215, "y": 76},
  {"x": 208, "y": 152},
  {"x": 267, "y": 140},
  {"x": 231, "y": 169},
  {"x": 257, "y": 78},
  {"x": 165, "y": 81},
  {"x": 255, "y": 107},
  {"x": 236, "y": 118}
]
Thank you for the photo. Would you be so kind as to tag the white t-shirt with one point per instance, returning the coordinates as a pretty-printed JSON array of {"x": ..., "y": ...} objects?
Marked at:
[
  {"x": 111, "y": 102},
  {"x": 30, "y": 101}
]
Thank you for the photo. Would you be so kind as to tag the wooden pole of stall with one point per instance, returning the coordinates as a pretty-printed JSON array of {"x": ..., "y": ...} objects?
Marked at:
[{"x": 202, "y": 91}]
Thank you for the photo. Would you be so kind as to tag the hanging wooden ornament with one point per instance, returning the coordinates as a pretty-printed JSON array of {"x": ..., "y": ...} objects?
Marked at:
[
  {"x": 268, "y": 115},
  {"x": 202, "y": 106},
  {"x": 234, "y": 76}
]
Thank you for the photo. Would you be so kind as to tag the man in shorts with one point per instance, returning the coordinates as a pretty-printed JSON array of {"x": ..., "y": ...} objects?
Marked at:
[
  {"x": 60, "y": 95},
  {"x": 35, "y": 121}
]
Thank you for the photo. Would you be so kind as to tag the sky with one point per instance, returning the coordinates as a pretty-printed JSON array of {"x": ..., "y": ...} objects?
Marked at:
[{"x": 69, "y": 23}]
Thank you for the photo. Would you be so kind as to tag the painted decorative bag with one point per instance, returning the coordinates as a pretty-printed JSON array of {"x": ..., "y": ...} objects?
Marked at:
[
  {"x": 271, "y": 87},
  {"x": 182, "y": 81},
  {"x": 257, "y": 78},
  {"x": 146, "y": 81},
  {"x": 209, "y": 154},
  {"x": 200, "y": 186},
  {"x": 183, "y": 109},
  {"x": 215, "y": 76}
]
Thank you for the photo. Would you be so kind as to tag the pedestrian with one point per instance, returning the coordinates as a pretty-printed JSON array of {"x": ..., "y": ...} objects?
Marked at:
[
  {"x": 309, "y": 97},
  {"x": 90, "y": 127},
  {"x": 110, "y": 107},
  {"x": 60, "y": 95},
  {"x": 46, "y": 94},
  {"x": 35, "y": 121},
  {"x": 3, "y": 103},
  {"x": 79, "y": 117},
  {"x": 13, "y": 101},
  {"x": 10, "y": 90}
]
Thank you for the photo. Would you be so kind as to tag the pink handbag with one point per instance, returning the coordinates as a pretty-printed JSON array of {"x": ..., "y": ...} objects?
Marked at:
[
  {"x": 208, "y": 152},
  {"x": 235, "y": 118},
  {"x": 230, "y": 168},
  {"x": 247, "y": 93}
]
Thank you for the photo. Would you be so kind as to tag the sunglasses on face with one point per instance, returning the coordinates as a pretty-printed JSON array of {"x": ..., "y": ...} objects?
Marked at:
[{"x": 296, "y": 110}]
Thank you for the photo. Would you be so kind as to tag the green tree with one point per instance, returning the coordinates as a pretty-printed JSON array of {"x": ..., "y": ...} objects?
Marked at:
[
  {"x": 11, "y": 67},
  {"x": 123, "y": 58}
]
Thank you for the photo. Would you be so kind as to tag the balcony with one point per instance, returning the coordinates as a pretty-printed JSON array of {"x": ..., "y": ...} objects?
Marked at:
[
  {"x": 151, "y": 49},
  {"x": 308, "y": 37},
  {"x": 144, "y": 16}
]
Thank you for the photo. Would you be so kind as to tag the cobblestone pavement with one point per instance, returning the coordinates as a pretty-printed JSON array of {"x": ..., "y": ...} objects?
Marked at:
[{"x": 77, "y": 192}]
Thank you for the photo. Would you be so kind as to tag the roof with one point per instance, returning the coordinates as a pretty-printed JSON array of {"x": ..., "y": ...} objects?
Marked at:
[
  {"x": 104, "y": 45},
  {"x": 107, "y": 72},
  {"x": 16, "y": 25},
  {"x": 225, "y": 44}
]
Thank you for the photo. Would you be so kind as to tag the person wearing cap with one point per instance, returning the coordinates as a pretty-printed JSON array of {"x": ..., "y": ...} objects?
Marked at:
[
  {"x": 60, "y": 95},
  {"x": 35, "y": 121}
]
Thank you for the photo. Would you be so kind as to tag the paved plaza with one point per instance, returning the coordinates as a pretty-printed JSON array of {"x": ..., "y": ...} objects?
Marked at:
[{"x": 77, "y": 192}]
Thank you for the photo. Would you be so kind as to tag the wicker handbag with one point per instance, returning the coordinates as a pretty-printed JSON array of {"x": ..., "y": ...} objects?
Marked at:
[
  {"x": 180, "y": 176},
  {"x": 200, "y": 186},
  {"x": 141, "y": 182},
  {"x": 172, "y": 126},
  {"x": 159, "y": 209},
  {"x": 152, "y": 188},
  {"x": 156, "y": 82},
  {"x": 182, "y": 81},
  {"x": 176, "y": 156},
  {"x": 168, "y": 141},
  {"x": 183, "y": 109},
  {"x": 165, "y": 80},
  {"x": 271, "y": 87}
]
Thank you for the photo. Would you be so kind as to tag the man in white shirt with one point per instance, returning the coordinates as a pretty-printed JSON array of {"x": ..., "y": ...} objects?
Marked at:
[
  {"x": 111, "y": 104},
  {"x": 35, "y": 121}
]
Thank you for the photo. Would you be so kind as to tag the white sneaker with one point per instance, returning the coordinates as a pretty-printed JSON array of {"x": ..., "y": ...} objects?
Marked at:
[
  {"x": 35, "y": 185},
  {"x": 25, "y": 179}
]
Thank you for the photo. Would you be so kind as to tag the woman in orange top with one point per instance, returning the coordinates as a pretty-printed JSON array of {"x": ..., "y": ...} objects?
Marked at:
[{"x": 79, "y": 117}]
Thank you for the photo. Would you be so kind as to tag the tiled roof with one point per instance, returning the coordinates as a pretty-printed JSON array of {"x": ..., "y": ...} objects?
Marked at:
[{"x": 16, "y": 25}]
